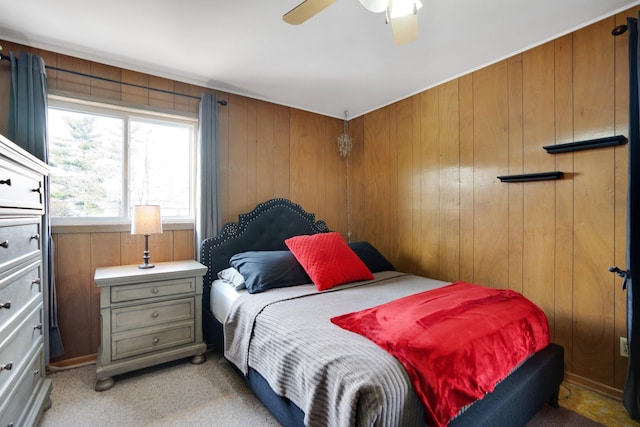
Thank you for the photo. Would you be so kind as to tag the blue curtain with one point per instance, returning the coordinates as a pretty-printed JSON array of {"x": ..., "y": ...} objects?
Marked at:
[
  {"x": 28, "y": 129},
  {"x": 207, "y": 199},
  {"x": 631, "y": 395}
]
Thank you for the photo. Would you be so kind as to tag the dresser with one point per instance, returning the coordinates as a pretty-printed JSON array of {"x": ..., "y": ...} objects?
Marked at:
[
  {"x": 148, "y": 316},
  {"x": 24, "y": 388}
]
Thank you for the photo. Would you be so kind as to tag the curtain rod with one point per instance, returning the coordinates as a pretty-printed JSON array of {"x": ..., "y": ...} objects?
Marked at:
[{"x": 104, "y": 79}]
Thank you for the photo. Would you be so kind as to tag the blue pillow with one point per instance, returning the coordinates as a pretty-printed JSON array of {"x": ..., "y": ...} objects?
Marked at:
[
  {"x": 264, "y": 270},
  {"x": 372, "y": 258}
]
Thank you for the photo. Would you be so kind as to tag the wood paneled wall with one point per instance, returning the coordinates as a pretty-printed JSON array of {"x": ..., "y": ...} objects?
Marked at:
[
  {"x": 423, "y": 185},
  {"x": 428, "y": 195},
  {"x": 266, "y": 151}
]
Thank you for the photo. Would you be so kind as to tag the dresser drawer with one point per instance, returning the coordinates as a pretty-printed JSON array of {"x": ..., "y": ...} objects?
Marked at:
[
  {"x": 15, "y": 402},
  {"x": 19, "y": 188},
  {"x": 152, "y": 339},
  {"x": 17, "y": 346},
  {"x": 17, "y": 288},
  {"x": 19, "y": 239},
  {"x": 144, "y": 316},
  {"x": 141, "y": 291}
]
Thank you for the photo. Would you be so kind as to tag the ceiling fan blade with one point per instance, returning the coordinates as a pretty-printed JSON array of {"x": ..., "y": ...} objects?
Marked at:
[
  {"x": 405, "y": 29},
  {"x": 305, "y": 10}
]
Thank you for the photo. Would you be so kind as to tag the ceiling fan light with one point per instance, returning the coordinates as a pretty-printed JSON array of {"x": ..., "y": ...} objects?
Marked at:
[
  {"x": 399, "y": 8},
  {"x": 375, "y": 6}
]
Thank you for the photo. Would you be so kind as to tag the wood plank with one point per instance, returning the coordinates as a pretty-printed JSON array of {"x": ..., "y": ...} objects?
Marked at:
[
  {"x": 405, "y": 260},
  {"x": 265, "y": 152},
  {"x": 72, "y": 260},
  {"x": 161, "y": 100},
  {"x": 133, "y": 94},
  {"x": 467, "y": 205},
  {"x": 105, "y": 251},
  {"x": 430, "y": 184},
  {"x": 563, "y": 312},
  {"x": 252, "y": 160},
  {"x": 183, "y": 245},
  {"x": 68, "y": 82},
  {"x": 516, "y": 167},
  {"x": 490, "y": 159},
  {"x": 594, "y": 204},
  {"x": 238, "y": 155},
  {"x": 282, "y": 152},
  {"x": 449, "y": 182},
  {"x": 105, "y": 90},
  {"x": 539, "y": 197}
]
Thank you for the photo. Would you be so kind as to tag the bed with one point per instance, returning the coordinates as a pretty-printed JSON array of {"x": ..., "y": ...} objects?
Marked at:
[{"x": 308, "y": 371}]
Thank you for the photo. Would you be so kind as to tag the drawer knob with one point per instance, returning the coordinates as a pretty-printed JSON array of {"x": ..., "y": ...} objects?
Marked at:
[
  {"x": 38, "y": 326},
  {"x": 156, "y": 340},
  {"x": 35, "y": 237},
  {"x": 6, "y": 366},
  {"x": 36, "y": 372},
  {"x": 5, "y": 182},
  {"x": 4, "y": 244},
  {"x": 6, "y": 305},
  {"x": 155, "y": 314},
  {"x": 155, "y": 290},
  {"x": 36, "y": 190}
]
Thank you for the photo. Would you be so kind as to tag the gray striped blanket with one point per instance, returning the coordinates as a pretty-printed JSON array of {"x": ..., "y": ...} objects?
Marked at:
[{"x": 336, "y": 377}]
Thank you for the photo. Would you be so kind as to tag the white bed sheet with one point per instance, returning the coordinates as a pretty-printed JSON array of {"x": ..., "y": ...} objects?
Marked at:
[{"x": 221, "y": 298}]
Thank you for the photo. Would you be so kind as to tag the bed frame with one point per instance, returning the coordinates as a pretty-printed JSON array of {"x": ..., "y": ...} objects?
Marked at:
[{"x": 513, "y": 402}]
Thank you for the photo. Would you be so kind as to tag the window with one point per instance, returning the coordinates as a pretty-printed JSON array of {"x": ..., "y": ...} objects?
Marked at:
[{"x": 104, "y": 160}]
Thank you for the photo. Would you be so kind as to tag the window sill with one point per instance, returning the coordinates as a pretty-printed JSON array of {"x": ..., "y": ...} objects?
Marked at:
[{"x": 113, "y": 228}]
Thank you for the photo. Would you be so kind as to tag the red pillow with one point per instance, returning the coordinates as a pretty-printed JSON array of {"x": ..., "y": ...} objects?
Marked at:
[{"x": 328, "y": 260}]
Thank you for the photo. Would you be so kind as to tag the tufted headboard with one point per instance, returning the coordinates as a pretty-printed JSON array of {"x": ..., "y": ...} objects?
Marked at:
[{"x": 265, "y": 228}]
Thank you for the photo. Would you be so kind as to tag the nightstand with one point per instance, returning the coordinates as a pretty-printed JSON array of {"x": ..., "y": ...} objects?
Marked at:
[{"x": 148, "y": 316}]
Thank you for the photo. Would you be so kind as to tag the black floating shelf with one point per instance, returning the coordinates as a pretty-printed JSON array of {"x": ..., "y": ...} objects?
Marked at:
[
  {"x": 542, "y": 176},
  {"x": 609, "y": 141}
]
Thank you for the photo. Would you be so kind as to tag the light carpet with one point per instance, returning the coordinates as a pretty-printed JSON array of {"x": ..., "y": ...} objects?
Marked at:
[{"x": 179, "y": 394}]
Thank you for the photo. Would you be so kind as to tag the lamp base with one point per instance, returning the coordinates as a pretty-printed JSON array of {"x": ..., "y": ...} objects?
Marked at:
[
  {"x": 146, "y": 266},
  {"x": 146, "y": 256}
]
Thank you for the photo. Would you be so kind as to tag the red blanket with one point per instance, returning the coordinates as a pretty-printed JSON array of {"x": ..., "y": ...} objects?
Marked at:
[{"x": 456, "y": 342}]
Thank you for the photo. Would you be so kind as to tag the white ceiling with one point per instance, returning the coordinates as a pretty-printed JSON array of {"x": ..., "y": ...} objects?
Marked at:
[{"x": 343, "y": 58}]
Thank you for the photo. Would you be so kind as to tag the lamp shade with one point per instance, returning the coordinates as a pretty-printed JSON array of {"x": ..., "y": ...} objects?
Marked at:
[
  {"x": 146, "y": 220},
  {"x": 375, "y": 6}
]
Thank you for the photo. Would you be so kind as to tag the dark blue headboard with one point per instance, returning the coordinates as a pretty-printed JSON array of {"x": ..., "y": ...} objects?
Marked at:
[{"x": 263, "y": 229}]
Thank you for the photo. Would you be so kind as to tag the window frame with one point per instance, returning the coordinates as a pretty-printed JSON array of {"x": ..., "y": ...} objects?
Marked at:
[{"x": 128, "y": 113}]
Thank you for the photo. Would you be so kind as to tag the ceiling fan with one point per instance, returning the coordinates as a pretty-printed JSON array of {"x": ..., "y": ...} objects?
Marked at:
[{"x": 402, "y": 14}]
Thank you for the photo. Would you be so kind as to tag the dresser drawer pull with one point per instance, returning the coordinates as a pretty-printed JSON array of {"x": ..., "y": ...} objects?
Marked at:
[
  {"x": 155, "y": 290},
  {"x": 38, "y": 326},
  {"x": 10, "y": 425},
  {"x": 36, "y": 372},
  {"x": 155, "y": 314},
  {"x": 5, "y": 182},
  {"x": 6, "y": 366},
  {"x": 6, "y": 305},
  {"x": 156, "y": 340},
  {"x": 35, "y": 237},
  {"x": 5, "y": 244},
  {"x": 36, "y": 190}
]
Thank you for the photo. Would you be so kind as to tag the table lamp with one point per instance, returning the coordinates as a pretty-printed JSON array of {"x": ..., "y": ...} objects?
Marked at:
[{"x": 146, "y": 220}]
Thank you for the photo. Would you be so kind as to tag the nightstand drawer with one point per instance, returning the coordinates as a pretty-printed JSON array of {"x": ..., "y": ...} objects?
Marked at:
[
  {"x": 18, "y": 288},
  {"x": 19, "y": 239},
  {"x": 141, "y": 291},
  {"x": 152, "y": 339},
  {"x": 144, "y": 316}
]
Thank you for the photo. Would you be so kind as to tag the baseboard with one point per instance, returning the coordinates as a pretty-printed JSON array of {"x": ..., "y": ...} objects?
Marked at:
[
  {"x": 75, "y": 362},
  {"x": 590, "y": 385}
]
